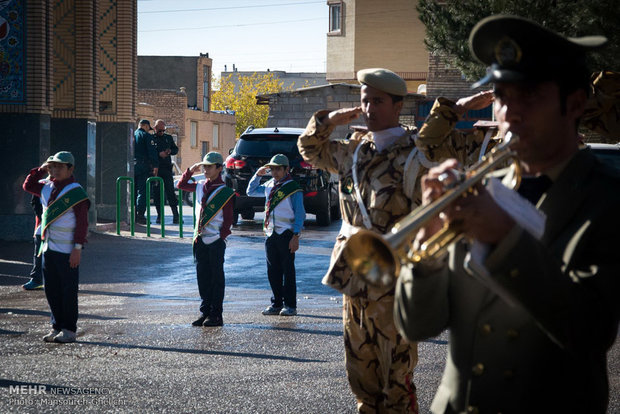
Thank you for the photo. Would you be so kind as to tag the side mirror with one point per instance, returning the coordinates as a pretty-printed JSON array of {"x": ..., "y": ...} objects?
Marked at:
[{"x": 230, "y": 151}]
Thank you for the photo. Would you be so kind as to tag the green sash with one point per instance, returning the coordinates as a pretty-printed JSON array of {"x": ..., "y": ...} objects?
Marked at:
[
  {"x": 281, "y": 194},
  {"x": 212, "y": 207},
  {"x": 60, "y": 206},
  {"x": 285, "y": 191}
]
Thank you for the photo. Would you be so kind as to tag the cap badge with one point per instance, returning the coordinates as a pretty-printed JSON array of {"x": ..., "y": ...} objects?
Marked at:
[{"x": 507, "y": 52}]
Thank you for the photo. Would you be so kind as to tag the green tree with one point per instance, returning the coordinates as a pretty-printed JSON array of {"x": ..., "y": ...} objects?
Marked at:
[
  {"x": 243, "y": 99},
  {"x": 448, "y": 26}
]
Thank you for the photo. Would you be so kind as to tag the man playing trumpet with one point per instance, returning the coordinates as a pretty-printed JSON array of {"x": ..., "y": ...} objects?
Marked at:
[{"x": 530, "y": 317}]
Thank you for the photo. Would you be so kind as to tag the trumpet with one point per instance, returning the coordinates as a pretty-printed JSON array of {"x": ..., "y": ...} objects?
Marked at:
[{"x": 377, "y": 258}]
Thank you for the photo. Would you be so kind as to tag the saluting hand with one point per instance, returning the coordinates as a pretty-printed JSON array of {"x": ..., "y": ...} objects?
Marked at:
[
  {"x": 262, "y": 171},
  {"x": 342, "y": 116},
  {"x": 474, "y": 102},
  {"x": 195, "y": 168}
]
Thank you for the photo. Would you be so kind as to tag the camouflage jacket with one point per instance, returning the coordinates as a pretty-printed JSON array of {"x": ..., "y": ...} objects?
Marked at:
[
  {"x": 388, "y": 180},
  {"x": 442, "y": 141},
  {"x": 602, "y": 112}
]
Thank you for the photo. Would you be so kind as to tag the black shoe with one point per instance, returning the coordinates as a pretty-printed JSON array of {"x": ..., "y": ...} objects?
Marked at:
[
  {"x": 175, "y": 220},
  {"x": 199, "y": 321},
  {"x": 140, "y": 220},
  {"x": 213, "y": 321},
  {"x": 158, "y": 220}
]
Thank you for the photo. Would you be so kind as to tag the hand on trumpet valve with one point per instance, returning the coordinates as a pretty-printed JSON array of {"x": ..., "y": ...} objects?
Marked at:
[{"x": 476, "y": 214}]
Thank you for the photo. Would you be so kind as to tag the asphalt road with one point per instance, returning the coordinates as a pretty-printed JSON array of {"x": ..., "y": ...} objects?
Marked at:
[{"x": 136, "y": 350}]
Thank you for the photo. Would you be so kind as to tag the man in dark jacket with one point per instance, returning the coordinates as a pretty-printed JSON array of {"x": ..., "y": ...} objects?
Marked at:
[
  {"x": 146, "y": 163},
  {"x": 165, "y": 148}
]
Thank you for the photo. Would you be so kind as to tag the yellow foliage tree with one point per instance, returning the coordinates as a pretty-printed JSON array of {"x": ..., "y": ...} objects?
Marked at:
[{"x": 243, "y": 100}]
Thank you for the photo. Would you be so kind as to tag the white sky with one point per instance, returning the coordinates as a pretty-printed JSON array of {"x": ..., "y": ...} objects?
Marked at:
[{"x": 255, "y": 35}]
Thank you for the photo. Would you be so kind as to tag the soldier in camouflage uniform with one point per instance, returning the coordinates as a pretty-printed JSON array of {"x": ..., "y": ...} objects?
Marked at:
[
  {"x": 602, "y": 113},
  {"x": 382, "y": 165}
]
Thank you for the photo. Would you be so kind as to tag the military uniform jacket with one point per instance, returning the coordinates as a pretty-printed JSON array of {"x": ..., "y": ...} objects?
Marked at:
[
  {"x": 145, "y": 152},
  {"x": 163, "y": 143},
  {"x": 546, "y": 352}
]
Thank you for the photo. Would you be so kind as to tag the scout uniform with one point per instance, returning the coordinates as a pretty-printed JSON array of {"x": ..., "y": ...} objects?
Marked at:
[
  {"x": 59, "y": 222},
  {"x": 214, "y": 218},
  {"x": 284, "y": 218},
  {"x": 531, "y": 335}
]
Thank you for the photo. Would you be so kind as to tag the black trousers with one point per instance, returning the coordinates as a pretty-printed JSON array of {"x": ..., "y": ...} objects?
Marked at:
[
  {"x": 281, "y": 269},
  {"x": 209, "y": 260},
  {"x": 140, "y": 189},
  {"x": 168, "y": 190},
  {"x": 61, "y": 289},
  {"x": 37, "y": 262}
]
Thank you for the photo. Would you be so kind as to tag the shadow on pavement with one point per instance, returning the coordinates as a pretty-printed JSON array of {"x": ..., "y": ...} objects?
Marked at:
[{"x": 200, "y": 351}]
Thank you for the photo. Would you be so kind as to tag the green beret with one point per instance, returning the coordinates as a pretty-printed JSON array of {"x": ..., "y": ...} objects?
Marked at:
[
  {"x": 518, "y": 49},
  {"x": 383, "y": 79}
]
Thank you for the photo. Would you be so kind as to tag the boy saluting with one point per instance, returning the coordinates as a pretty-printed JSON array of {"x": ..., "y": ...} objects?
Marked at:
[
  {"x": 64, "y": 226},
  {"x": 214, "y": 212},
  {"x": 284, "y": 218}
]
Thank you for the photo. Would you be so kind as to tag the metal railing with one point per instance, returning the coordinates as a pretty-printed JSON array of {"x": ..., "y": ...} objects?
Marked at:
[
  {"x": 132, "y": 216},
  {"x": 161, "y": 205}
]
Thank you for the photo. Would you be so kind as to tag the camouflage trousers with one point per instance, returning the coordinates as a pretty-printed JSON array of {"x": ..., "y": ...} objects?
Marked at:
[{"x": 378, "y": 360}]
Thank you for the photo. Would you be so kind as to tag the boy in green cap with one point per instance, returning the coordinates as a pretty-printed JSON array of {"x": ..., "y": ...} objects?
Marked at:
[
  {"x": 214, "y": 212},
  {"x": 284, "y": 218},
  {"x": 64, "y": 227}
]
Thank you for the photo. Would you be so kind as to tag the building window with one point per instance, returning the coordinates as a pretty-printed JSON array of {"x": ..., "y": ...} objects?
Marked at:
[
  {"x": 216, "y": 136},
  {"x": 205, "y": 148},
  {"x": 193, "y": 134},
  {"x": 335, "y": 18}
]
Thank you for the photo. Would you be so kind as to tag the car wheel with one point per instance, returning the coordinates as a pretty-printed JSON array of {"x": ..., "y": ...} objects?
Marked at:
[
  {"x": 324, "y": 215},
  {"x": 248, "y": 215}
]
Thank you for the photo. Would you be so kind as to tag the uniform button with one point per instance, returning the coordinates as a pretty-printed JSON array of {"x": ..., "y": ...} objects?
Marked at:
[
  {"x": 509, "y": 374},
  {"x": 512, "y": 333},
  {"x": 478, "y": 369},
  {"x": 473, "y": 410},
  {"x": 486, "y": 329},
  {"x": 514, "y": 273}
]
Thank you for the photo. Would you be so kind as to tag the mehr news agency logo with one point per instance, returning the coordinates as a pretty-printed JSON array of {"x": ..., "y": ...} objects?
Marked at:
[{"x": 23, "y": 395}]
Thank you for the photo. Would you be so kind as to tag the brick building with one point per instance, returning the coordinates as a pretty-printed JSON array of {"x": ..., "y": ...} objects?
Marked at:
[
  {"x": 181, "y": 97},
  {"x": 294, "y": 109},
  {"x": 68, "y": 79}
]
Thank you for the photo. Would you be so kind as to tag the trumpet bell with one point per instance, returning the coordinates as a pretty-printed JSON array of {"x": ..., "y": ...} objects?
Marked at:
[{"x": 369, "y": 254}]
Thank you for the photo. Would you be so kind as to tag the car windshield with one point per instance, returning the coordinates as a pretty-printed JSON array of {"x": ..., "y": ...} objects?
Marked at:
[{"x": 267, "y": 145}]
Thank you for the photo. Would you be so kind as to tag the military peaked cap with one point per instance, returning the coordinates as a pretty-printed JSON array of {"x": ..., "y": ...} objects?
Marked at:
[{"x": 518, "y": 49}]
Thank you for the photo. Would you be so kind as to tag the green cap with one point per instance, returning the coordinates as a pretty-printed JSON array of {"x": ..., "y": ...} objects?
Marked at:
[
  {"x": 383, "y": 79},
  {"x": 212, "y": 158},
  {"x": 521, "y": 50},
  {"x": 278, "y": 160},
  {"x": 63, "y": 157}
]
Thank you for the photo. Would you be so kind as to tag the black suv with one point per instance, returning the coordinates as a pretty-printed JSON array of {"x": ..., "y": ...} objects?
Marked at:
[{"x": 254, "y": 149}]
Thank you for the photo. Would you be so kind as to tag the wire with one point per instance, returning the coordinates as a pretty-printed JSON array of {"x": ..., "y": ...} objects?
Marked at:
[
  {"x": 229, "y": 8},
  {"x": 231, "y": 25}
]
